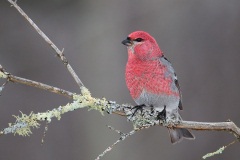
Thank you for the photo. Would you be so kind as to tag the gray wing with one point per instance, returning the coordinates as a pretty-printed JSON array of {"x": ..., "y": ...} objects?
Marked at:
[{"x": 171, "y": 73}]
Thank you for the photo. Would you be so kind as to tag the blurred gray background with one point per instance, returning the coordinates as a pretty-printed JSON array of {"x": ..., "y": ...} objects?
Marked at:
[{"x": 200, "y": 37}]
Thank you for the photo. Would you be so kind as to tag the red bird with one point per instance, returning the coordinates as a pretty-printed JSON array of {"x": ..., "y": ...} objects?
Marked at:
[{"x": 152, "y": 81}]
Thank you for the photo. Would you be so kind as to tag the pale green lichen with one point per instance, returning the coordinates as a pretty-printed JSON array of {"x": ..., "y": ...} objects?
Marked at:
[
  {"x": 219, "y": 151},
  {"x": 29, "y": 120},
  {"x": 24, "y": 122},
  {"x": 86, "y": 100},
  {"x": 3, "y": 75},
  {"x": 140, "y": 121}
]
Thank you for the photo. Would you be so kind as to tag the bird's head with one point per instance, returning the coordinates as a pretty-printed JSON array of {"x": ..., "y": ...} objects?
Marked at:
[{"x": 142, "y": 45}]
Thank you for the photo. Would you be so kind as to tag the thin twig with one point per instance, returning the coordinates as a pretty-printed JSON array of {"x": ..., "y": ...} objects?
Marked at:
[
  {"x": 28, "y": 82},
  {"x": 216, "y": 126},
  {"x": 2, "y": 86},
  {"x": 54, "y": 47},
  {"x": 123, "y": 136},
  {"x": 39, "y": 85}
]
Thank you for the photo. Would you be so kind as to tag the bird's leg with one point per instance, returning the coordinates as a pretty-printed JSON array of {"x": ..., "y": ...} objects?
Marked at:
[
  {"x": 162, "y": 115},
  {"x": 152, "y": 108},
  {"x": 138, "y": 107}
]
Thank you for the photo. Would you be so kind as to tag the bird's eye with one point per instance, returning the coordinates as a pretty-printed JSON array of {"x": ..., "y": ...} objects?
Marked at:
[{"x": 139, "y": 39}]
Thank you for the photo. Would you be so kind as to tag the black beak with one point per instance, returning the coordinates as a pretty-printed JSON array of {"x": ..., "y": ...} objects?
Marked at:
[{"x": 127, "y": 42}]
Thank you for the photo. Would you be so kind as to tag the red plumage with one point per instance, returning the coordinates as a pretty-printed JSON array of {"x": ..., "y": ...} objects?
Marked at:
[
  {"x": 149, "y": 76},
  {"x": 152, "y": 81}
]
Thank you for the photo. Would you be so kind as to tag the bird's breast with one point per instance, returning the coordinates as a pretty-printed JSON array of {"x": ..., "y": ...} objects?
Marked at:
[{"x": 150, "y": 77}]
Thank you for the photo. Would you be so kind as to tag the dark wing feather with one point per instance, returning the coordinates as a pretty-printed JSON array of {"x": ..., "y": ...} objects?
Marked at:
[{"x": 180, "y": 102}]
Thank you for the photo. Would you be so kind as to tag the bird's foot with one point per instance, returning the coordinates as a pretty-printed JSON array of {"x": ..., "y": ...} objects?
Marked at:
[
  {"x": 162, "y": 115},
  {"x": 151, "y": 109},
  {"x": 172, "y": 121},
  {"x": 138, "y": 107}
]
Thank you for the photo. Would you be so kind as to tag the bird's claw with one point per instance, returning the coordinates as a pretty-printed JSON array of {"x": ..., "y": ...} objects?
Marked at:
[
  {"x": 162, "y": 115},
  {"x": 138, "y": 107}
]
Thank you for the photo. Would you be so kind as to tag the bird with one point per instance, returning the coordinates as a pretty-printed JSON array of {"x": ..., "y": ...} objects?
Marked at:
[{"x": 152, "y": 81}]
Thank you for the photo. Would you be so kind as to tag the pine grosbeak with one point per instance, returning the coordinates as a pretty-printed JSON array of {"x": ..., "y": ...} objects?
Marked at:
[{"x": 152, "y": 81}]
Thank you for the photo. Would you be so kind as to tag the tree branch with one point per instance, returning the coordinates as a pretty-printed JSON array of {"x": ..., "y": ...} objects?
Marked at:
[
  {"x": 144, "y": 119},
  {"x": 213, "y": 126},
  {"x": 54, "y": 47},
  {"x": 40, "y": 86},
  {"x": 32, "y": 83}
]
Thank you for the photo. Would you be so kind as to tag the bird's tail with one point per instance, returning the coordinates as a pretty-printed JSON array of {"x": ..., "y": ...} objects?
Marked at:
[{"x": 177, "y": 134}]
